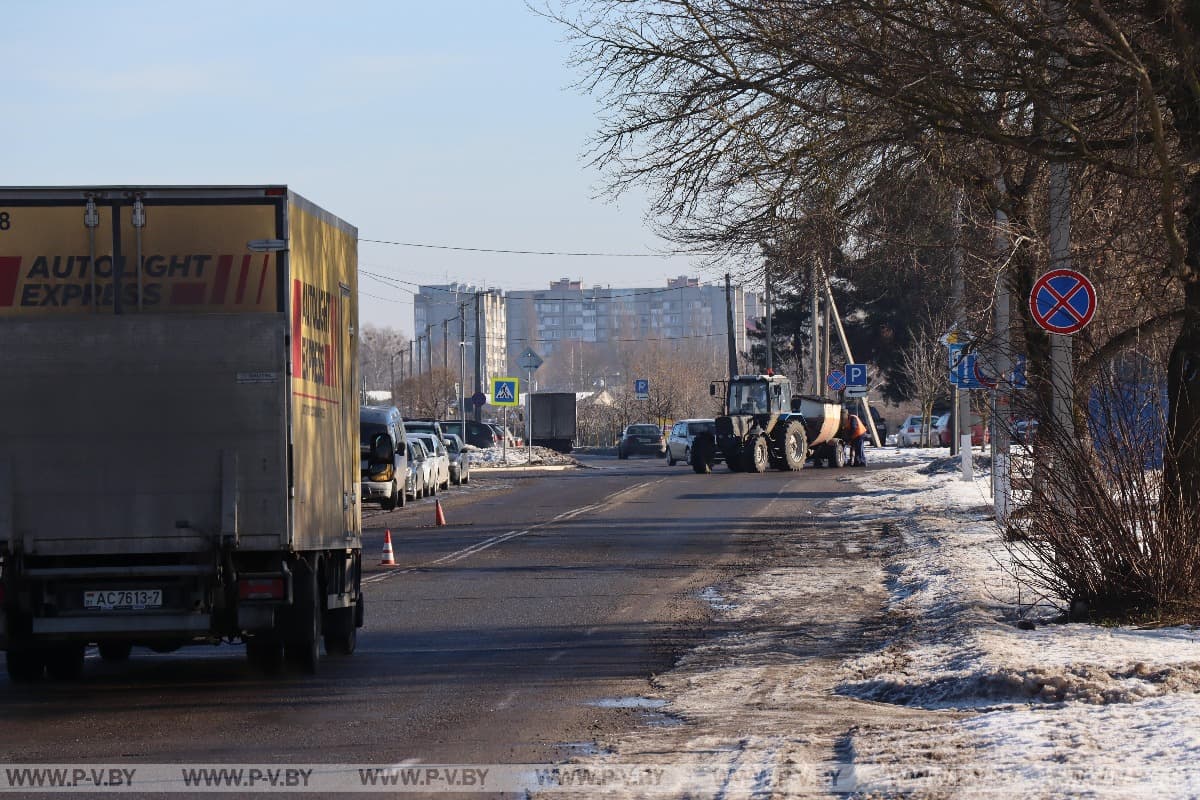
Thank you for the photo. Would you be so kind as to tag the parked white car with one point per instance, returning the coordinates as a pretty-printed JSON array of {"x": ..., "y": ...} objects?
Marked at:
[
  {"x": 421, "y": 465},
  {"x": 440, "y": 458},
  {"x": 909, "y": 434},
  {"x": 679, "y": 443}
]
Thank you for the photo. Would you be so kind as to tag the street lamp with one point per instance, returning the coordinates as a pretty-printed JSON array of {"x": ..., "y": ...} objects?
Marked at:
[{"x": 462, "y": 386}]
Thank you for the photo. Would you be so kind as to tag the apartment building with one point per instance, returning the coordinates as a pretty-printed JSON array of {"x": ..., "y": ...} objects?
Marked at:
[
  {"x": 684, "y": 310},
  {"x": 437, "y": 328}
]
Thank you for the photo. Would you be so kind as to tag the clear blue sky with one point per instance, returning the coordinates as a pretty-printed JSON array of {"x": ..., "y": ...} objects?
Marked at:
[{"x": 442, "y": 122}]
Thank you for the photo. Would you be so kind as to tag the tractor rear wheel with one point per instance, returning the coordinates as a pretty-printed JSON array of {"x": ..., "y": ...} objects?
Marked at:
[{"x": 793, "y": 446}]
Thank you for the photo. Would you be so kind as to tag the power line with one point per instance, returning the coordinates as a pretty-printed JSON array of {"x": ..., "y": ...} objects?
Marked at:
[
  {"x": 497, "y": 250},
  {"x": 619, "y": 294}
]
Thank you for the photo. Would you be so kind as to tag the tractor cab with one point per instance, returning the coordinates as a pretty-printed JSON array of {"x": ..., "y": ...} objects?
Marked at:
[{"x": 759, "y": 395}]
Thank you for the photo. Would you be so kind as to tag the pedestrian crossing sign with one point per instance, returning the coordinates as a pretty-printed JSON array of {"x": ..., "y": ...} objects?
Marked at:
[{"x": 505, "y": 392}]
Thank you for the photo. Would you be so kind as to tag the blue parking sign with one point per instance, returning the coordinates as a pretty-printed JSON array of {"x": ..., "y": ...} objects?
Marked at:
[
  {"x": 641, "y": 388},
  {"x": 856, "y": 374}
]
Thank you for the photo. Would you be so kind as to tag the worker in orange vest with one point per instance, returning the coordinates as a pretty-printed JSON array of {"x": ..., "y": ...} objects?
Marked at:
[{"x": 855, "y": 433}]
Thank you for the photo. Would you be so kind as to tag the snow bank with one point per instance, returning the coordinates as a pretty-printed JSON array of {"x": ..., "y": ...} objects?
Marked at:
[
  {"x": 1069, "y": 708},
  {"x": 482, "y": 458}
]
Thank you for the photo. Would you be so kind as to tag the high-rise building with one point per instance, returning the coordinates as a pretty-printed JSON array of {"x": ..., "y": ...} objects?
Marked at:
[
  {"x": 441, "y": 314},
  {"x": 684, "y": 310}
]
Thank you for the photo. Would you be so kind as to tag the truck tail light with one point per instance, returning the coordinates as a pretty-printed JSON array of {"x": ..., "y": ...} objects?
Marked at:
[{"x": 261, "y": 588}]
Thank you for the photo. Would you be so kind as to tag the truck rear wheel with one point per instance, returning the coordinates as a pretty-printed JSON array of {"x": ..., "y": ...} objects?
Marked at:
[
  {"x": 302, "y": 647},
  {"x": 756, "y": 456},
  {"x": 794, "y": 447}
]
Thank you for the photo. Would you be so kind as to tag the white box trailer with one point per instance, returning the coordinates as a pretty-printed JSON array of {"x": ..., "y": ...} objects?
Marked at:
[{"x": 178, "y": 424}]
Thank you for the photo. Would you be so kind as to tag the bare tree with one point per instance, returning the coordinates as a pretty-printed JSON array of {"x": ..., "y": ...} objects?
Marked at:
[
  {"x": 926, "y": 371},
  {"x": 379, "y": 356},
  {"x": 736, "y": 111}
]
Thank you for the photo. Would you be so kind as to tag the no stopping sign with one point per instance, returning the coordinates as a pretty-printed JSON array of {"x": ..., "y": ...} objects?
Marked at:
[{"x": 1062, "y": 301}]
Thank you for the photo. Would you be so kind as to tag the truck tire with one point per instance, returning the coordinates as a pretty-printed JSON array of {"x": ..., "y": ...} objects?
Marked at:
[
  {"x": 793, "y": 447},
  {"x": 115, "y": 650},
  {"x": 702, "y": 456},
  {"x": 25, "y": 664},
  {"x": 302, "y": 647},
  {"x": 621, "y": 454},
  {"x": 64, "y": 662},
  {"x": 756, "y": 457}
]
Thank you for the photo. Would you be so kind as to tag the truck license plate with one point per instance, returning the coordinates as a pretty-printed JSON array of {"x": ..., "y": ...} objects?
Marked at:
[{"x": 123, "y": 598}]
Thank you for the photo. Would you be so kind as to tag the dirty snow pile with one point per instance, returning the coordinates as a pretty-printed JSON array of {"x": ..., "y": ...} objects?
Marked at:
[
  {"x": 1058, "y": 710},
  {"x": 482, "y": 458}
]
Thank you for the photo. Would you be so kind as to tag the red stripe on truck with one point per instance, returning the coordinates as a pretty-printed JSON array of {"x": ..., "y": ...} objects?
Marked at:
[
  {"x": 241, "y": 290},
  {"x": 10, "y": 274},
  {"x": 221, "y": 280}
]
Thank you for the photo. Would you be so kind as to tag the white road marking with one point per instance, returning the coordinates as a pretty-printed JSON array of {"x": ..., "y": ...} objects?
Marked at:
[
  {"x": 556, "y": 655},
  {"x": 507, "y": 701},
  {"x": 486, "y": 544}
]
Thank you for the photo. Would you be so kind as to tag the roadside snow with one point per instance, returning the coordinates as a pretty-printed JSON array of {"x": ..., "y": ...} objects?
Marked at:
[
  {"x": 877, "y": 652},
  {"x": 517, "y": 457}
]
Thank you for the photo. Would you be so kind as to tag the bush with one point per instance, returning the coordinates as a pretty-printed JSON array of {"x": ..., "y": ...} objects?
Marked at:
[{"x": 1097, "y": 534}]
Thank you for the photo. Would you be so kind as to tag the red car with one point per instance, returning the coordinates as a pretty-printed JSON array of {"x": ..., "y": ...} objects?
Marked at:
[{"x": 980, "y": 435}]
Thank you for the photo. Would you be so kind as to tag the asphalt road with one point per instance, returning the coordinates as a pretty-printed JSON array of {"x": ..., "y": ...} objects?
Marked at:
[{"x": 504, "y": 637}]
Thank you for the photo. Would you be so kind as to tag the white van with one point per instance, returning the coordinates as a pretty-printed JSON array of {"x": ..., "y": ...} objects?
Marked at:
[{"x": 384, "y": 451}]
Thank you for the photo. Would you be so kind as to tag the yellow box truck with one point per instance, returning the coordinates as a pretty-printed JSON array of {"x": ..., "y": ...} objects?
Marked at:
[{"x": 178, "y": 425}]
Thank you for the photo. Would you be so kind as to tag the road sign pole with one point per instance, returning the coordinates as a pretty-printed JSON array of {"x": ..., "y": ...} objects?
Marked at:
[{"x": 528, "y": 416}]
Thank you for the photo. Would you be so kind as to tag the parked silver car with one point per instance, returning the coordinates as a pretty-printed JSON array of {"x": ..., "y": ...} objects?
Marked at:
[
  {"x": 679, "y": 443},
  {"x": 460, "y": 467},
  {"x": 421, "y": 467}
]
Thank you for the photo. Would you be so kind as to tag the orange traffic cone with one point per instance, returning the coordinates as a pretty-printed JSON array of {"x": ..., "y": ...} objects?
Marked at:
[
  {"x": 389, "y": 558},
  {"x": 438, "y": 515}
]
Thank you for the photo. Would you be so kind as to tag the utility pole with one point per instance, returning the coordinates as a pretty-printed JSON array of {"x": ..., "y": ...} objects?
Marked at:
[
  {"x": 866, "y": 404},
  {"x": 825, "y": 329},
  {"x": 1061, "y": 367},
  {"x": 730, "y": 340},
  {"x": 960, "y": 442},
  {"x": 478, "y": 357},
  {"x": 392, "y": 369},
  {"x": 813, "y": 325},
  {"x": 770, "y": 337},
  {"x": 1001, "y": 396},
  {"x": 429, "y": 347},
  {"x": 462, "y": 366},
  {"x": 445, "y": 344}
]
